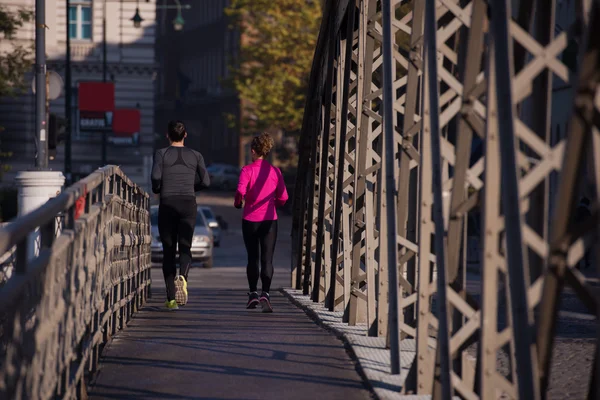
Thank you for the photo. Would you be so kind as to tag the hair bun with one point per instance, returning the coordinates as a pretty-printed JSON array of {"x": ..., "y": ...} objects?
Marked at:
[{"x": 262, "y": 144}]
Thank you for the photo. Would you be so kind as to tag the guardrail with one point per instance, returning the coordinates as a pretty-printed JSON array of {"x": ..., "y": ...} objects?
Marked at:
[{"x": 90, "y": 274}]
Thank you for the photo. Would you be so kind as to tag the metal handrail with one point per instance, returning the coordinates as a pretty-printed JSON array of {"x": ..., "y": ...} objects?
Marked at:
[{"x": 18, "y": 229}]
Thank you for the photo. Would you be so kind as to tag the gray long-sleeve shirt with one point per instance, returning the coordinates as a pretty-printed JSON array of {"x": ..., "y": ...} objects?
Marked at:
[{"x": 178, "y": 171}]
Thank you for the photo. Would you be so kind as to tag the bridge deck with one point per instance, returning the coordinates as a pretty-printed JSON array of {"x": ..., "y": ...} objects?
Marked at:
[{"x": 214, "y": 348}]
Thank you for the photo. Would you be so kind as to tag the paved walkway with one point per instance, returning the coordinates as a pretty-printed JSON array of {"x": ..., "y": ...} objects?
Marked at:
[{"x": 214, "y": 348}]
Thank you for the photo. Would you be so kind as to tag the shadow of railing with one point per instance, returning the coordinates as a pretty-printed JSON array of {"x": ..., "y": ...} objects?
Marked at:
[{"x": 89, "y": 273}]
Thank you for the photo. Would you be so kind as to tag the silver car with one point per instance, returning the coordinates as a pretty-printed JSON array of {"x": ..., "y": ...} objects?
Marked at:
[
  {"x": 213, "y": 224},
  {"x": 202, "y": 242}
]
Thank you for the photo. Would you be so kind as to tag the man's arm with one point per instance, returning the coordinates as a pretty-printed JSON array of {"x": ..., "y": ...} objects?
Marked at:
[
  {"x": 156, "y": 176},
  {"x": 202, "y": 180}
]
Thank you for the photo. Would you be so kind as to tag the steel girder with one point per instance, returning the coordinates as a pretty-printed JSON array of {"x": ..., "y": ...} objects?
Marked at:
[{"x": 399, "y": 94}]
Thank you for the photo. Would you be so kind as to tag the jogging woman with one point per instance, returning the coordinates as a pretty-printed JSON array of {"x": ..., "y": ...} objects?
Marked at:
[
  {"x": 178, "y": 172},
  {"x": 261, "y": 186}
]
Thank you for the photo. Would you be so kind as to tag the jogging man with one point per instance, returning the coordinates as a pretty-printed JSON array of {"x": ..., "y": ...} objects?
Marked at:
[{"x": 177, "y": 173}]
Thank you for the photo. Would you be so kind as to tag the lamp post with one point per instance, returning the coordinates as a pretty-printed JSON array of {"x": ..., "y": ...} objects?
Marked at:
[
  {"x": 41, "y": 129},
  {"x": 104, "y": 71},
  {"x": 68, "y": 111},
  {"x": 40, "y": 184}
]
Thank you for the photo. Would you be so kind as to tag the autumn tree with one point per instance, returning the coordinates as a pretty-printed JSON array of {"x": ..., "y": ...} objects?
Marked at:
[{"x": 278, "y": 40}]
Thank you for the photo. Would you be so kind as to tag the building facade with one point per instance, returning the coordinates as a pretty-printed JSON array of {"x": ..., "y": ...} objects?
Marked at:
[
  {"x": 130, "y": 65},
  {"x": 192, "y": 69}
]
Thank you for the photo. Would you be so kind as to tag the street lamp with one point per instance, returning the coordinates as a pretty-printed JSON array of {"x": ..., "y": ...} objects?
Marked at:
[
  {"x": 178, "y": 22},
  {"x": 137, "y": 18}
]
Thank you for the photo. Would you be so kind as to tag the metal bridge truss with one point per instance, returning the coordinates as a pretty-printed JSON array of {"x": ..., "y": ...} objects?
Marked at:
[{"x": 388, "y": 181}]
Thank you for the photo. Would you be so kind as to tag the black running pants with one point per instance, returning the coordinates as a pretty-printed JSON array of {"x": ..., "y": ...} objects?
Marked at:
[
  {"x": 260, "y": 238},
  {"x": 176, "y": 222}
]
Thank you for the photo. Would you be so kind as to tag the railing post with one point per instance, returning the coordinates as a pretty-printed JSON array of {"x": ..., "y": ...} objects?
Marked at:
[{"x": 35, "y": 189}]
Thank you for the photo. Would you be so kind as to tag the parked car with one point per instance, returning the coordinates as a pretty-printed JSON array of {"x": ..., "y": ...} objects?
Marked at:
[
  {"x": 223, "y": 176},
  {"x": 202, "y": 241},
  {"x": 213, "y": 223}
]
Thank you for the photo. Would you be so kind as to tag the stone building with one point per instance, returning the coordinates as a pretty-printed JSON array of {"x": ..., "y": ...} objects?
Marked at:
[{"x": 130, "y": 65}]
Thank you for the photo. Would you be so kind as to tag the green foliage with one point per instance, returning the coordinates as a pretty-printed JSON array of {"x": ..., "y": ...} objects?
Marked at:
[
  {"x": 16, "y": 62},
  {"x": 13, "y": 63},
  {"x": 276, "y": 52}
]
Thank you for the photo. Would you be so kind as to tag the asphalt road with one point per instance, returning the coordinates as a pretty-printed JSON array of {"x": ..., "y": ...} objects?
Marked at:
[{"x": 213, "y": 348}]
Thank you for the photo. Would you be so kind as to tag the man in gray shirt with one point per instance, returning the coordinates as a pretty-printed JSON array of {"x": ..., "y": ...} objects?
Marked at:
[{"x": 177, "y": 173}]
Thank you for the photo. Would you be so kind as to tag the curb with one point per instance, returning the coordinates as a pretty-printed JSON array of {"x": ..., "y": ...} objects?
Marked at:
[
  {"x": 338, "y": 334},
  {"x": 369, "y": 353}
]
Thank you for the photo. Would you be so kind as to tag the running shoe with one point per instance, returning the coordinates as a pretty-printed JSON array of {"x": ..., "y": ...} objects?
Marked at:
[
  {"x": 265, "y": 302},
  {"x": 252, "y": 300},
  {"x": 181, "y": 293},
  {"x": 171, "y": 305}
]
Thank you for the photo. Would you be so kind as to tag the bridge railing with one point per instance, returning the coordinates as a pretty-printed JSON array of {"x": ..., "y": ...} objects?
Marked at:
[
  {"x": 89, "y": 272},
  {"x": 401, "y": 94}
]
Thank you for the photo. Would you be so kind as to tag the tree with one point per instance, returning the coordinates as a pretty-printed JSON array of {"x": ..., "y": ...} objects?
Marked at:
[
  {"x": 14, "y": 63},
  {"x": 17, "y": 61},
  {"x": 278, "y": 40}
]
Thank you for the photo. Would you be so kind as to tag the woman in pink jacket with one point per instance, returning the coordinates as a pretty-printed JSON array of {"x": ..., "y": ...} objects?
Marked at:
[{"x": 261, "y": 186}]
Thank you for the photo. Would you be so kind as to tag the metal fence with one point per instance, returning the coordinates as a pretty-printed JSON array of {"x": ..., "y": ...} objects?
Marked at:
[
  {"x": 400, "y": 95},
  {"x": 90, "y": 273}
]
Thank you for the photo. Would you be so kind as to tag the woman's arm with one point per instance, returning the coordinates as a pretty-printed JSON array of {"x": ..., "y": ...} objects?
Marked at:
[
  {"x": 156, "y": 176},
  {"x": 242, "y": 188},
  {"x": 281, "y": 194}
]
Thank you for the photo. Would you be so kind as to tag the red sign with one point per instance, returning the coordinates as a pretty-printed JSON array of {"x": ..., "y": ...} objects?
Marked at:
[
  {"x": 96, "y": 96},
  {"x": 126, "y": 121}
]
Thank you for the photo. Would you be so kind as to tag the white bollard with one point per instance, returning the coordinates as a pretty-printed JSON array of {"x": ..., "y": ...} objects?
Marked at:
[{"x": 35, "y": 189}]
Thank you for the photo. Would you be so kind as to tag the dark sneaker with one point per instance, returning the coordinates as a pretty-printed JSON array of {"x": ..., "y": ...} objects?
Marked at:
[
  {"x": 252, "y": 300},
  {"x": 265, "y": 302}
]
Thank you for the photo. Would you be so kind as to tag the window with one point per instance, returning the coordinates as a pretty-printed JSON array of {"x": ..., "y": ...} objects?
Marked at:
[{"x": 80, "y": 20}]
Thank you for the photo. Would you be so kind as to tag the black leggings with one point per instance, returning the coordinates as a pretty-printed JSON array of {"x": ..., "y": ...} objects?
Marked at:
[
  {"x": 260, "y": 238},
  {"x": 176, "y": 222}
]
